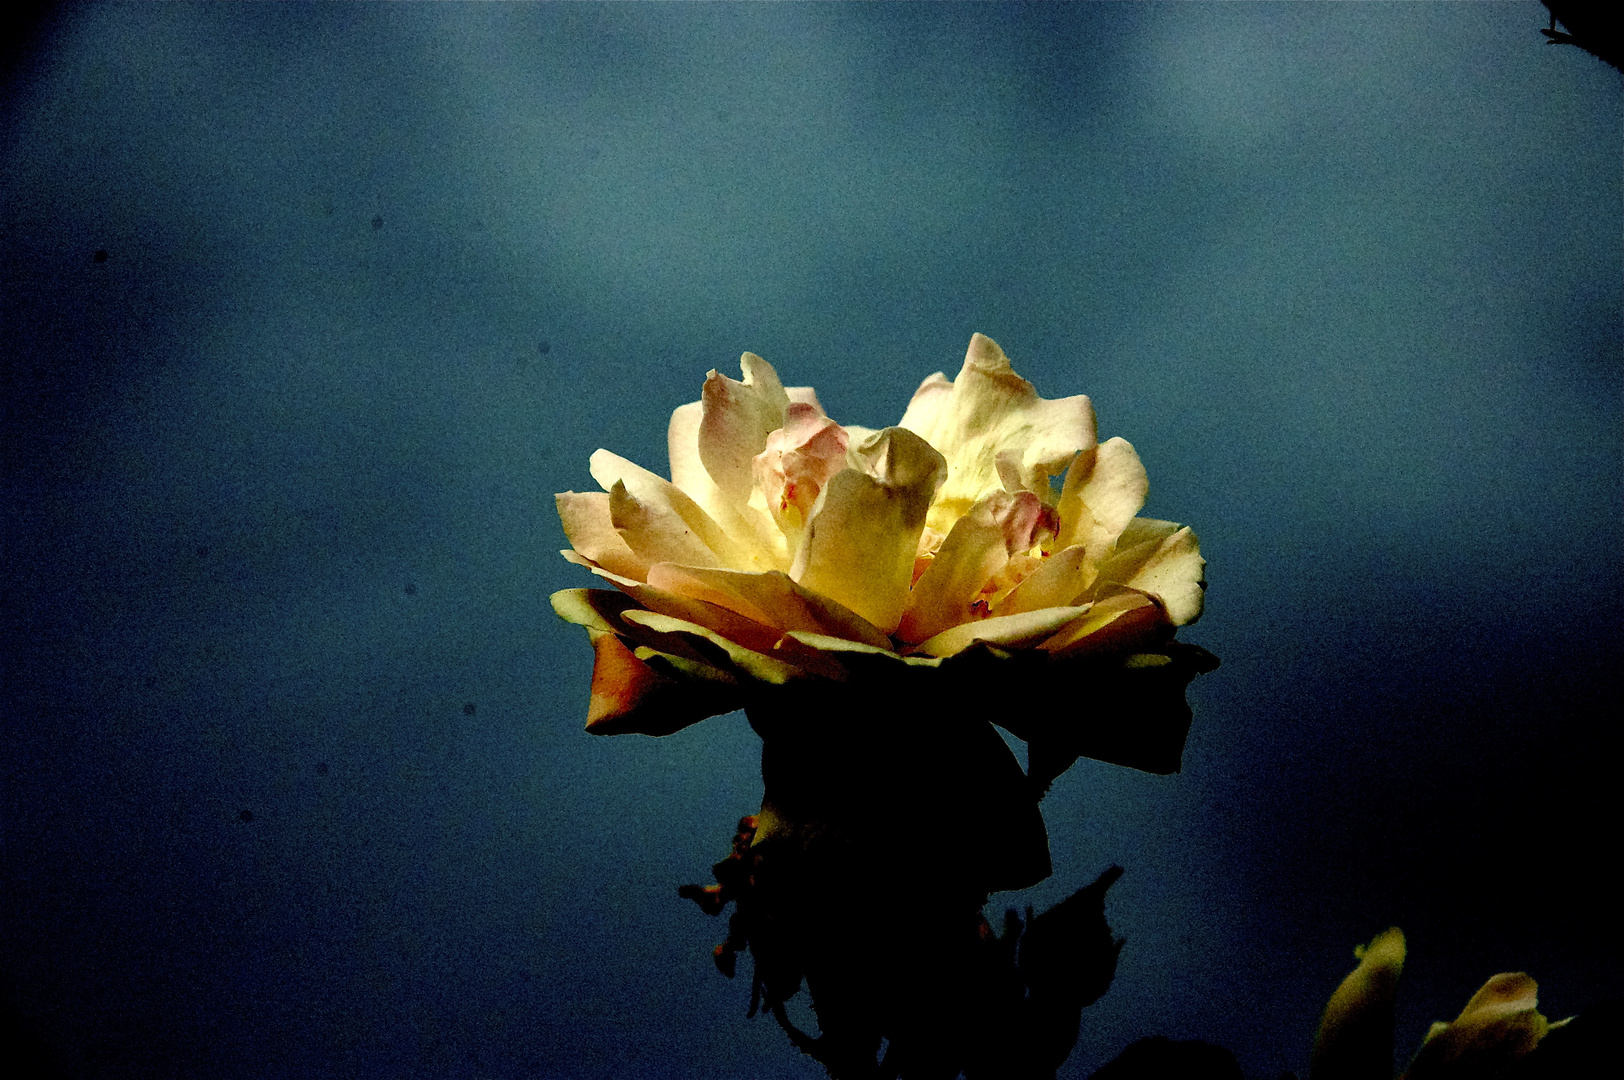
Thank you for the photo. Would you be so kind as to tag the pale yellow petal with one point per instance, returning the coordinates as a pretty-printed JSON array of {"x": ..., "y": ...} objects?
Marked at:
[
  {"x": 1061, "y": 579},
  {"x": 1172, "y": 570},
  {"x": 659, "y": 502},
  {"x": 973, "y": 552},
  {"x": 1013, "y": 631},
  {"x": 656, "y": 532},
  {"x": 860, "y": 543},
  {"x": 738, "y": 417},
  {"x": 990, "y": 410},
  {"x": 687, "y": 470},
  {"x": 592, "y": 533},
  {"x": 1116, "y": 624},
  {"x": 771, "y": 598},
  {"x": 760, "y": 544},
  {"x": 925, "y": 409},
  {"x": 1103, "y": 492}
]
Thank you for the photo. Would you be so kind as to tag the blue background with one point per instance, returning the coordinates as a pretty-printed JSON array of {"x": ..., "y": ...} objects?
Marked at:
[{"x": 279, "y": 474}]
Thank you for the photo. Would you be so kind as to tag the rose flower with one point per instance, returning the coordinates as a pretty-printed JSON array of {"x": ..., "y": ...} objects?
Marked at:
[
  {"x": 786, "y": 546},
  {"x": 895, "y": 591}
]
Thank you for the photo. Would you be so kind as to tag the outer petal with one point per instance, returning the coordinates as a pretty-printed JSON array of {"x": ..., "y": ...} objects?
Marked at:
[
  {"x": 718, "y": 651},
  {"x": 1170, "y": 569},
  {"x": 770, "y": 598},
  {"x": 1013, "y": 631},
  {"x": 1117, "y": 624},
  {"x": 763, "y": 544},
  {"x": 738, "y": 417},
  {"x": 1498, "y": 1027},
  {"x": 1111, "y": 486},
  {"x": 592, "y": 533},
  {"x": 930, "y": 402},
  {"x": 1355, "y": 1040},
  {"x": 630, "y": 697},
  {"x": 991, "y": 410},
  {"x": 860, "y": 544},
  {"x": 659, "y": 516}
]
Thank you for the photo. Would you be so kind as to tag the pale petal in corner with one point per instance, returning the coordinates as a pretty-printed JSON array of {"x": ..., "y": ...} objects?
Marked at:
[
  {"x": 760, "y": 541},
  {"x": 1172, "y": 570}
]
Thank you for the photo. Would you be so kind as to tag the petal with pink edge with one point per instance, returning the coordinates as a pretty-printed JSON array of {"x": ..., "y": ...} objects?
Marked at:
[{"x": 738, "y": 417}]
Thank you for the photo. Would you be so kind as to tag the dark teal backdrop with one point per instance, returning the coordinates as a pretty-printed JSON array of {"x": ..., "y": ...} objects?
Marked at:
[{"x": 308, "y": 312}]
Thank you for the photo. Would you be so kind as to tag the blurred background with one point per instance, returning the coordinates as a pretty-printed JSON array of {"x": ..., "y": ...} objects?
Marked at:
[{"x": 309, "y": 310}]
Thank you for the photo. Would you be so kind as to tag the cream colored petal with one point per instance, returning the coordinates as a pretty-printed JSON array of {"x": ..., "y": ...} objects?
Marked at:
[
  {"x": 1014, "y": 631},
  {"x": 592, "y": 533},
  {"x": 655, "y": 532},
  {"x": 1112, "y": 486},
  {"x": 924, "y": 412},
  {"x": 716, "y": 649},
  {"x": 687, "y": 470},
  {"x": 991, "y": 410},
  {"x": 1170, "y": 570},
  {"x": 772, "y": 599},
  {"x": 738, "y": 417},
  {"x": 660, "y": 501},
  {"x": 1355, "y": 1040},
  {"x": 1061, "y": 579},
  {"x": 760, "y": 545},
  {"x": 860, "y": 543},
  {"x": 1116, "y": 624},
  {"x": 803, "y": 395},
  {"x": 856, "y": 435},
  {"x": 972, "y": 553}
]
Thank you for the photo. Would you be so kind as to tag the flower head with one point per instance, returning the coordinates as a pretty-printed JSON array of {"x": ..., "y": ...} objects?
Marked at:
[{"x": 787, "y": 547}]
